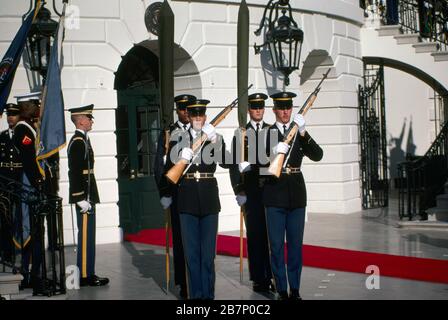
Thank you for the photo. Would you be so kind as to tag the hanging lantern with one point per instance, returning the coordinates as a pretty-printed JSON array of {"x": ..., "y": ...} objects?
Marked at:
[
  {"x": 39, "y": 41},
  {"x": 284, "y": 38}
]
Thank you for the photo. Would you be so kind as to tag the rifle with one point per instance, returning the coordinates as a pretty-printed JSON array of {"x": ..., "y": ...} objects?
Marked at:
[
  {"x": 180, "y": 168},
  {"x": 280, "y": 162},
  {"x": 167, "y": 225}
]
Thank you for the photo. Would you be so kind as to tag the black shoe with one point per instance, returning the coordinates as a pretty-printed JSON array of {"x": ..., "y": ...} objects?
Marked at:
[
  {"x": 265, "y": 287},
  {"x": 283, "y": 295},
  {"x": 93, "y": 281},
  {"x": 183, "y": 292},
  {"x": 294, "y": 295},
  {"x": 260, "y": 287},
  {"x": 41, "y": 286}
]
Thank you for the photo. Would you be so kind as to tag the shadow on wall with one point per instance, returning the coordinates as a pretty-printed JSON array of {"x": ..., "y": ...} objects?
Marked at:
[
  {"x": 273, "y": 79},
  {"x": 315, "y": 64},
  {"x": 396, "y": 153},
  {"x": 313, "y": 67}
]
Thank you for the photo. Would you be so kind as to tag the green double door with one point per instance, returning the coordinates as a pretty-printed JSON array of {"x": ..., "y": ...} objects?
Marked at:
[{"x": 137, "y": 131}]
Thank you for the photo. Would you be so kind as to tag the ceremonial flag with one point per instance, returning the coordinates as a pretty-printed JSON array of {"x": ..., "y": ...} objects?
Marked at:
[
  {"x": 51, "y": 133},
  {"x": 11, "y": 59}
]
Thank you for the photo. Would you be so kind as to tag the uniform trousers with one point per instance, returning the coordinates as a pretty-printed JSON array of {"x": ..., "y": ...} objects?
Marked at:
[
  {"x": 86, "y": 242},
  {"x": 199, "y": 242},
  {"x": 178, "y": 251},
  {"x": 281, "y": 221},
  {"x": 257, "y": 240}
]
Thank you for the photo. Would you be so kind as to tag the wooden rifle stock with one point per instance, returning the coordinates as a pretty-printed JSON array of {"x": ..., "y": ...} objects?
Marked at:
[
  {"x": 275, "y": 168},
  {"x": 178, "y": 170}
]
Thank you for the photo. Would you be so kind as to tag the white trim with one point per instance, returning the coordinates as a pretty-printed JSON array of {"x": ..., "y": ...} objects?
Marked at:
[{"x": 26, "y": 124}]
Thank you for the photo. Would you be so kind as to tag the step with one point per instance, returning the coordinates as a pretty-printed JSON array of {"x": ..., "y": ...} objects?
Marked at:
[
  {"x": 440, "y": 56},
  {"x": 441, "y": 214},
  {"x": 426, "y": 47},
  {"x": 426, "y": 225},
  {"x": 412, "y": 38},
  {"x": 9, "y": 283},
  {"x": 389, "y": 30}
]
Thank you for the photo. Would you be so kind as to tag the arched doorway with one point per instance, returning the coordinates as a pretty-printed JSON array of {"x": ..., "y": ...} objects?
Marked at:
[
  {"x": 405, "y": 88},
  {"x": 137, "y": 129},
  {"x": 138, "y": 121}
]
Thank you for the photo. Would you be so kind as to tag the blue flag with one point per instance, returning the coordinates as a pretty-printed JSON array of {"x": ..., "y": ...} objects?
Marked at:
[
  {"x": 51, "y": 133},
  {"x": 11, "y": 60}
]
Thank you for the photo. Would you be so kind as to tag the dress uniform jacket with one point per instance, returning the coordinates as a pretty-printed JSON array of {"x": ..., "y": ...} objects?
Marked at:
[
  {"x": 289, "y": 190},
  {"x": 81, "y": 175},
  {"x": 252, "y": 183},
  {"x": 10, "y": 167},
  {"x": 199, "y": 197},
  {"x": 10, "y": 162},
  {"x": 175, "y": 133},
  {"x": 24, "y": 139}
]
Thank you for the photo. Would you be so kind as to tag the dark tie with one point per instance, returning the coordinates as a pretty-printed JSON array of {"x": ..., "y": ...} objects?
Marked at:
[
  {"x": 258, "y": 127},
  {"x": 284, "y": 129},
  {"x": 185, "y": 127}
]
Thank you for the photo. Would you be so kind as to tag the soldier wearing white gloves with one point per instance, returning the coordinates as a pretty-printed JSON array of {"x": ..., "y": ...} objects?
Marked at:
[
  {"x": 285, "y": 197},
  {"x": 248, "y": 187}
]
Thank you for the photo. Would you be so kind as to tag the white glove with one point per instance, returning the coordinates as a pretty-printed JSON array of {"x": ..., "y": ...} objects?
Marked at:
[
  {"x": 166, "y": 202},
  {"x": 210, "y": 131},
  {"x": 244, "y": 167},
  {"x": 241, "y": 199},
  {"x": 300, "y": 121},
  {"x": 281, "y": 148},
  {"x": 164, "y": 160},
  {"x": 186, "y": 154},
  {"x": 84, "y": 205}
]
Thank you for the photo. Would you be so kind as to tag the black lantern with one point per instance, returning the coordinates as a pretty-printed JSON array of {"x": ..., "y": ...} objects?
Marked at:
[
  {"x": 283, "y": 37},
  {"x": 39, "y": 41}
]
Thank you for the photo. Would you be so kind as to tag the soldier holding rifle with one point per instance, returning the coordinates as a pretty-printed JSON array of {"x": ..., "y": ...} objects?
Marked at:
[
  {"x": 247, "y": 184},
  {"x": 198, "y": 197},
  {"x": 168, "y": 198},
  {"x": 285, "y": 197}
]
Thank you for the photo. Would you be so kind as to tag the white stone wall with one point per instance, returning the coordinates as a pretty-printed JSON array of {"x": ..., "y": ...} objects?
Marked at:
[{"x": 207, "y": 32}]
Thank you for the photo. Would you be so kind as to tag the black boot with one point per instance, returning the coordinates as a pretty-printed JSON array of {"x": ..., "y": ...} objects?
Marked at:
[
  {"x": 283, "y": 295},
  {"x": 294, "y": 295},
  {"x": 183, "y": 292}
]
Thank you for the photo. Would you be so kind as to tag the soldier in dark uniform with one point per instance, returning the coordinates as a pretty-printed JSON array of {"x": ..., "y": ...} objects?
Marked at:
[
  {"x": 175, "y": 131},
  {"x": 84, "y": 193},
  {"x": 285, "y": 197},
  {"x": 248, "y": 187},
  {"x": 198, "y": 201},
  {"x": 11, "y": 168},
  {"x": 28, "y": 237}
]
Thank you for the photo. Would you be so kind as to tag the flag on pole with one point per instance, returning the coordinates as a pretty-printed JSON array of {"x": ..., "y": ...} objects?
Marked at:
[
  {"x": 51, "y": 131},
  {"x": 11, "y": 59}
]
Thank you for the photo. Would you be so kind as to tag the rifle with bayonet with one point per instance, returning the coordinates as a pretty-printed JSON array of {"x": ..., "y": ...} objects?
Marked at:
[
  {"x": 181, "y": 167},
  {"x": 281, "y": 160}
]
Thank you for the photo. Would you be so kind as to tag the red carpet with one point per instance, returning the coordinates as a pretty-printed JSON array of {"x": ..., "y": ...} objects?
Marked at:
[{"x": 331, "y": 258}]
